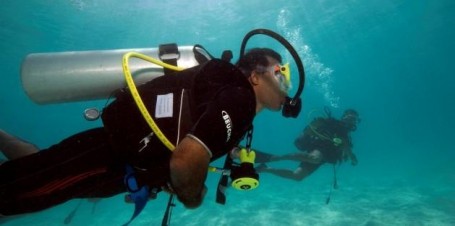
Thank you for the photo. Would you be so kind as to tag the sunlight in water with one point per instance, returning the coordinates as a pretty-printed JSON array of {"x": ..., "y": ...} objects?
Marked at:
[{"x": 318, "y": 74}]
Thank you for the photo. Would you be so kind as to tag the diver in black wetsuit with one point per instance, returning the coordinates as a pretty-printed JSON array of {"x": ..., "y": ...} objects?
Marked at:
[
  {"x": 213, "y": 106},
  {"x": 324, "y": 140}
]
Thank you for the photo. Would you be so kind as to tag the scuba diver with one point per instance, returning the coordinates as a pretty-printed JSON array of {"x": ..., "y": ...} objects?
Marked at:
[
  {"x": 224, "y": 100},
  {"x": 324, "y": 140},
  {"x": 199, "y": 115}
]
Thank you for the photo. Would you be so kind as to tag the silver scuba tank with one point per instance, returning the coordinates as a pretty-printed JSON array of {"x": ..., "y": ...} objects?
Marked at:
[{"x": 89, "y": 75}]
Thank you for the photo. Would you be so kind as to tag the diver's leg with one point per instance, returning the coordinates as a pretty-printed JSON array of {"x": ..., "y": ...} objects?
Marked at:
[
  {"x": 13, "y": 147},
  {"x": 262, "y": 157},
  {"x": 80, "y": 166},
  {"x": 285, "y": 173},
  {"x": 313, "y": 157},
  {"x": 297, "y": 156},
  {"x": 304, "y": 170}
]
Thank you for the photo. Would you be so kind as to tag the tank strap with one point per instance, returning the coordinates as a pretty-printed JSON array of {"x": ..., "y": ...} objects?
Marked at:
[
  {"x": 169, "y": 54},
  {"x": 223, "y": 182},
  {"x": 201, "y": 54}
]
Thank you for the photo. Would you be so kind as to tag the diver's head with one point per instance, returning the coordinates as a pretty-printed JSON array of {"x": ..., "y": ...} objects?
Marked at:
[
  {"x": 262, "y": 68},
  {"x": 256, "y": 57},
  {"x": 350, "y": 119}
]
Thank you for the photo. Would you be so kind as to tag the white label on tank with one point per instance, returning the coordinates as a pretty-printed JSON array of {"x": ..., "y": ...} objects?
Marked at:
[{"x": 164, "y": 106}]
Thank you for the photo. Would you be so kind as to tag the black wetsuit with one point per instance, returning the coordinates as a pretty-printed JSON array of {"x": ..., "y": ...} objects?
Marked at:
[
  {"x": 216, "y": 105},
  {"x": 319, "y": 135}
]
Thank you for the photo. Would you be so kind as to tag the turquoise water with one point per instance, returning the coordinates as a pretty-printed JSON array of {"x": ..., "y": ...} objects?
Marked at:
[{"x": 392, "y": 60}]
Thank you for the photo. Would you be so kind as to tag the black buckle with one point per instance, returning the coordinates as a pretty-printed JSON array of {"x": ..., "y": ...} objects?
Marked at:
[{"x": 169, "y": 54}]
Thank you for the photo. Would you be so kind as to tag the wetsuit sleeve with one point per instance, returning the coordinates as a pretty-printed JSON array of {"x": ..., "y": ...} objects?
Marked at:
[{"x": 225, "y": 120}]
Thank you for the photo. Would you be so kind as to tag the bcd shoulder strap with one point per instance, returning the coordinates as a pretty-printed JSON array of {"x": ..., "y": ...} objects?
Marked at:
[{"x": 169, "y": 54}]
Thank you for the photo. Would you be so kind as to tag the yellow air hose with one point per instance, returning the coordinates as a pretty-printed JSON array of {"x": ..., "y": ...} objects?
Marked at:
[
  {"x": 137, "y": 98},
  {"x": 140, "y": 104}
]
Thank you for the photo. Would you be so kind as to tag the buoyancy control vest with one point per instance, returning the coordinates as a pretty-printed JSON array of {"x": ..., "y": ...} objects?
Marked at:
[
  {"x": 326, "y": 134},
  {"x": 167, "y": 98},
  {"x": 176, "y": 102}
]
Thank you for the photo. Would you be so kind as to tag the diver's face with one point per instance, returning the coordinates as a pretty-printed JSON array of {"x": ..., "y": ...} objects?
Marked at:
[
  {"x": 350, "y": 120},
  {"x": 270, "y": 94}
]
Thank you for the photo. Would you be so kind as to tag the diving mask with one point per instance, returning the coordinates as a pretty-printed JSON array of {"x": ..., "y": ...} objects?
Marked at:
[
  {"x": 281, "y": 73},
  {"x": 351, "y": 119},
  {"x": 283, "y": 76}
]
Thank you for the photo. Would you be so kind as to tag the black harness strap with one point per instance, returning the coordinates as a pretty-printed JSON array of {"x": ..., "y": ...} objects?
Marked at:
[
  {"x": 223, "y": 183},
  {"x": 201, "y": 54},
  {"x": 228, "y": 164},
  {"x": 334, "y": 186},
  {"x": 169, "y": 54},
  {"x": 167, "y": 215}
]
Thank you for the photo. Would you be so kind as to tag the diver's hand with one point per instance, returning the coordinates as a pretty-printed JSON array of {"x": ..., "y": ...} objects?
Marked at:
[
  {"x": 349, "y": 155},
  {"x": 247, "y": 157},
  {"x": 193, "y": 202},
  {"x": 354, "y": 160},
  {"x": 314, "y": 157}
]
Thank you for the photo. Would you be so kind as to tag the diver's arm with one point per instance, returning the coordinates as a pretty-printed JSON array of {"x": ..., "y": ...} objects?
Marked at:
[
  {"x": 188, "y": 166},
  {"x": 261, "y": 157},
  {"x": 313, "y": 157},
  {"x": 347, "y": 152},
  {"x": 353, "y": 158}
]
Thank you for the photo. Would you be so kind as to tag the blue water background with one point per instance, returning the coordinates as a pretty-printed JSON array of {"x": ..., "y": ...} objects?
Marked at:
[{"x": 392, "y": 60}]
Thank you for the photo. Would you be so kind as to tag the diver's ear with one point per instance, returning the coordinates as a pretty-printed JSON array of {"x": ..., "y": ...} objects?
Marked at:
[{"x": 254, "y": 78}]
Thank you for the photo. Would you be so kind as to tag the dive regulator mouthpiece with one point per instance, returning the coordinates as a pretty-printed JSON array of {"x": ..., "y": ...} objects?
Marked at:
[{"x": 292, "y": 107}]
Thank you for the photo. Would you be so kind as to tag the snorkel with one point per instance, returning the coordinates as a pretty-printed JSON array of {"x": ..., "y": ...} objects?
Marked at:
[{"x": 292, "y": 106}]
